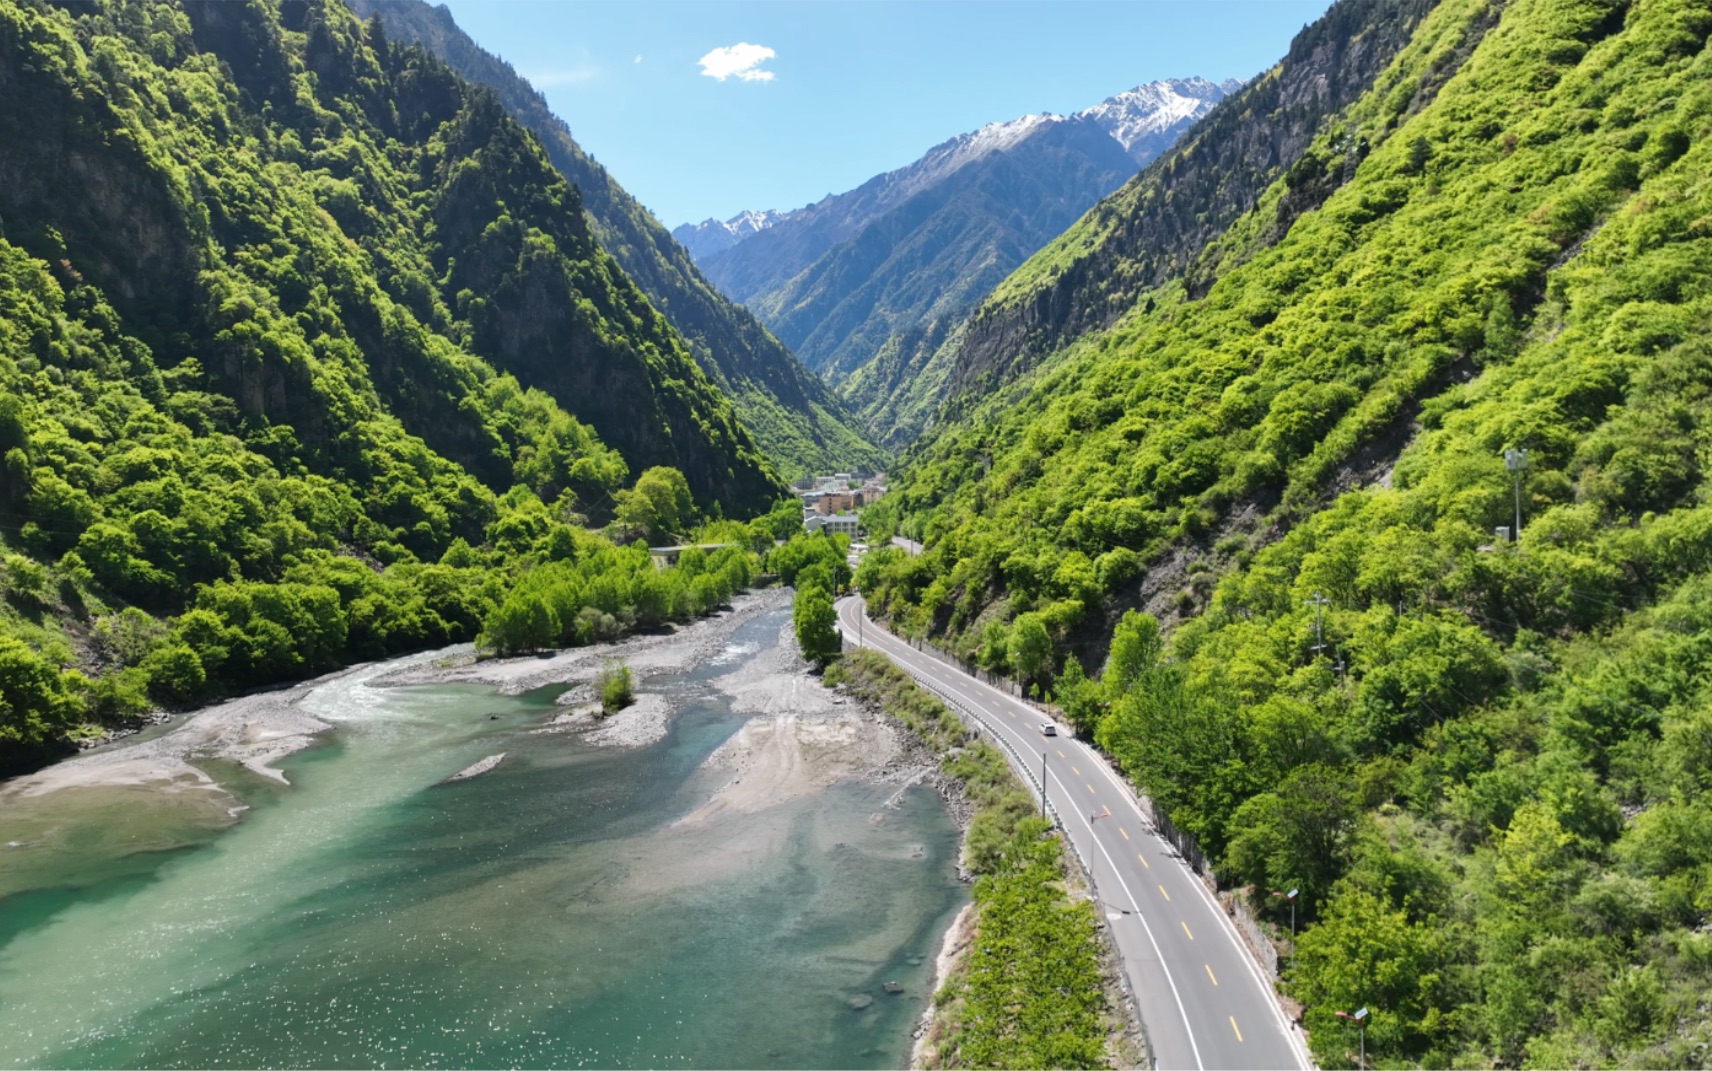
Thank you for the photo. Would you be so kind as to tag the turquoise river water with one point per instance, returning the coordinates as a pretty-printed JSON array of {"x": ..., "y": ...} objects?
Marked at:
[{"x": 548, "y": 914}]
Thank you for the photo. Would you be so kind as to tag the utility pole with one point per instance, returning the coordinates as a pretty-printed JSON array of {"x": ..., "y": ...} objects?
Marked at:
[
  {"x": 1516, "y": 462},
  {"x": 1290, "y": 896},
  {"x": 1319, "y": 603}
]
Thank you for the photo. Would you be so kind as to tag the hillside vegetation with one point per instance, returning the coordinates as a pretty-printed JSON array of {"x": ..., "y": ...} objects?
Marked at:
[
  {"x": 1158, "y": 225},
  {"x": 305, "y": 352},
  {"x": 795, "y": 419},
  {"x": 1489, "y": 783}
]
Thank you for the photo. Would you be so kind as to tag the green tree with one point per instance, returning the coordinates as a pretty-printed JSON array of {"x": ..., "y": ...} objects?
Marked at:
[
  {"x": 1134, "y": 650},
  {"x": 659, "y": 505},
  {"x": 617, "y": 687},
  {"x": 1030, "y": 648},
  {"x": 1364, "y": 953},
  {"x": 522, "y": 623},
  {"x": 1079, "y": 697},
  {"x": 815, "y": 621}
]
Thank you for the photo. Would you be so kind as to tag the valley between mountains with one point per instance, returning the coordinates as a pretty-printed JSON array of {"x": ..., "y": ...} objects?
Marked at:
[{"x": 446, "y": 564}]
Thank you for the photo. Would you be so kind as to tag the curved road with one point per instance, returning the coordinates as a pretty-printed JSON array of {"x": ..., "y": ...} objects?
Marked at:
[{"x": 1201, "y": 995}]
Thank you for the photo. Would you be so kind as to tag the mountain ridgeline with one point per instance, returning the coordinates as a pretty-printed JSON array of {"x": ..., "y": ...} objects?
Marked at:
[
  {"x": 1162, "y": 223},
  {"x": 306, "y": 352},
  {"x": 865, "y": 285},
  {"x": 794, "y": 418},
  {"x": 1255, "y": 435}
]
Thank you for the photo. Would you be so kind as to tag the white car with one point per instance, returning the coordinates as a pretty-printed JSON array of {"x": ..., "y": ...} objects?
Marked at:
[{"x": 1049, "y": 729}]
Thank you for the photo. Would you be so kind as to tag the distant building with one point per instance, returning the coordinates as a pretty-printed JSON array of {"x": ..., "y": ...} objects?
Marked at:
[
  {"x": 835, "y": 502},
  {"x": 837, "y": 524}
]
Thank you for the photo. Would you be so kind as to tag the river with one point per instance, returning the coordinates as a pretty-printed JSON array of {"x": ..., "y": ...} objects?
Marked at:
[{"x": 559, "y": 911}]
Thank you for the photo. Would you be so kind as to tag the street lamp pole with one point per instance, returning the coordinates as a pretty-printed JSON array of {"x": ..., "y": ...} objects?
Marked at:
[
  {"x": 1359, "y": 1018},
  {"x": 1290, "y": 896}
]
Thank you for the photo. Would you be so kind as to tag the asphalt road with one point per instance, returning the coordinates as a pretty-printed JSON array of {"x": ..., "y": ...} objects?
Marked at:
[{"x": 1202, "y": 998}]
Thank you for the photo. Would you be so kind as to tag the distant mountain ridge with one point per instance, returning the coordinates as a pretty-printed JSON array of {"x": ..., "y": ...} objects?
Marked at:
[
  {"x": 711, "y": 235},
  {"x": 864, "y": 285},
  {"x": 798, "y": 422}
]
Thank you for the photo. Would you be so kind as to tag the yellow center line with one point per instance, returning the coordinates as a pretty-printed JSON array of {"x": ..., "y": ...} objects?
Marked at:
[
  {"x": 1163, "y": 893},
  {"x": 1012, "y": 713},
  {"x": 1233, "y": 1027},
  {"x": 1185, "y": 926},
  {"x": 1074, "y": 770},
  {"x": 1090, "y": 789},
  {"x": 1144, "y": 861},
  {"x": 1124, "y": 832},
  {"x": 1210, "y": 973},
  {"x": 1060, "y": 753}
]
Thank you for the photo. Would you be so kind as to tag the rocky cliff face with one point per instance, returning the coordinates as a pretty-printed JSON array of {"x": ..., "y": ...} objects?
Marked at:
[
  {"x": 796, "y": 420},
  {"x": 201, "y": 234},
  {"x": 1158, "y": 224}
]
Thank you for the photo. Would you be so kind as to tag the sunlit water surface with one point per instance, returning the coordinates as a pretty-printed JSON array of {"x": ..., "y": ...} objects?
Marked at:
[{"x": 546, "y": 914}]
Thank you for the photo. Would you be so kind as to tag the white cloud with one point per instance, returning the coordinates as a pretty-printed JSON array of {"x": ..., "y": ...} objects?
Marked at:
[
  {"x": 741, "y": 60},
  {"x": 638, "y": 59}
]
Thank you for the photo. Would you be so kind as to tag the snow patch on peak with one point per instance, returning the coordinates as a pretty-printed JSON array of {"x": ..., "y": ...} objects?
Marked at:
[
  {"x": 712, "y": 235},
  {"x": 1144, "y": 120},
  {"x": 743, "y": 224}
]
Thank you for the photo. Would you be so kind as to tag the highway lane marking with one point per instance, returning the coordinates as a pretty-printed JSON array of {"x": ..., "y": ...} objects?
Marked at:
[
  {"x": 1185, "y": 926},
  {"x": 1124, "y": 832},
  {"x": 1144, "y": 861},
  {"x": 1060, "y": 753},
  {"x": 1165, "y": 894},
  {"x": 965, "y": 684},
  {"x": 1090, "y": 790},
  {"x": 1233, "y": 1027},
  {"x": 1074, "y": 770},
  {"x": 1210, "y": 973},
  {"x": 1159, "y": 956},
  {"x": 1012, "y": 713}
]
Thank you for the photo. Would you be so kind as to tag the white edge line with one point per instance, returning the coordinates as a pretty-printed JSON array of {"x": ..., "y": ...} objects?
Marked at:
[
  {"x": 1292, "y": 1038},
  {"x": 1182, "y": 1012},
  {"x": 1163, "y": 966}
]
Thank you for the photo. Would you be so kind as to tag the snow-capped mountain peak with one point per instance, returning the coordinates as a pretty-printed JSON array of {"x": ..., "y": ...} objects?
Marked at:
[
  {"x": 1143, "y": 121},
  {"x": 1143, "y": 117},
  {"x": 711, "y": 235}
]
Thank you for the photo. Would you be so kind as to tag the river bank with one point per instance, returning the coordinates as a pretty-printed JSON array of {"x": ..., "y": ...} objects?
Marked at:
[
  {"x": 257, "y": 731},
  {"x": 1032, "y": 905},
  {"x": 452, "y": 876}
]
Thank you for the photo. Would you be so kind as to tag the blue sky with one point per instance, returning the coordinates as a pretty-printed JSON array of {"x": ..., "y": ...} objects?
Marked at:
[{"x": 856, "y": 88}]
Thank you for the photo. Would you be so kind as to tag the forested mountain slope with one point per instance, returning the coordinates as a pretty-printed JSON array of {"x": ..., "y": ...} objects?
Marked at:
[
  {"x": 1155, "y": 227},
  {"x": 792, "y": 415},
  {"x": 1488, "y": 780},
  {"x": 301, "y": 342},
  {"x": 464, "y": 223}
]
